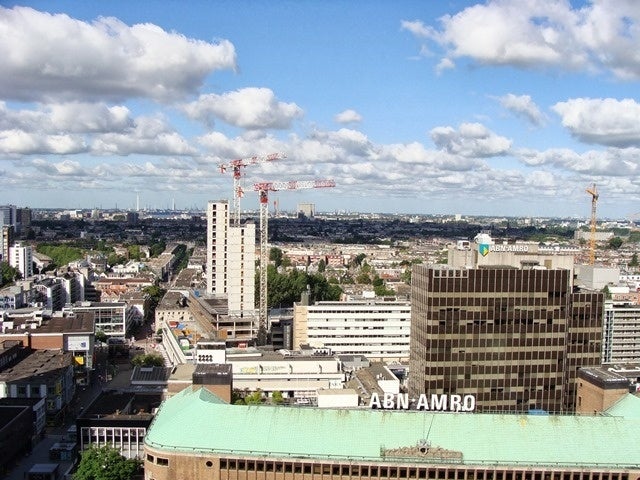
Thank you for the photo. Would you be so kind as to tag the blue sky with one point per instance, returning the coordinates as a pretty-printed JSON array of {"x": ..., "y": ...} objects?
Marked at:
[{"x": 479, "y": 108}]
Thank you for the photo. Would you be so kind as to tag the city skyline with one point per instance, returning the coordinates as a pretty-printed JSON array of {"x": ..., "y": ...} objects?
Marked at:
[{"x": 477, "y": 108}]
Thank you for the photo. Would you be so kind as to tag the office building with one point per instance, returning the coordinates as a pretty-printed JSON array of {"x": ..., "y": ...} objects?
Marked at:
[
  {"x": 287, "y": 443},
  {"x": 513, "y": 338},
  {"x": 306, "y": 210},
  {"x": 20, "y": 258},
  {"x": 621, "y": 332},
  {"x": 376, "y": 329},
  {"x": 231, "y": 255}
]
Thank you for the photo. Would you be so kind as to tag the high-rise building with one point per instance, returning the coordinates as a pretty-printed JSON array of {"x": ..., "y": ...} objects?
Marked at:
[
  {"x": 307, "y": 210},
  {"x": 21, "y": 258},
  {"x": 621, "y": 332},
  {"x": 514, "y": 338},
  {"x": 6, "y": 241},
  {"x": 231, "y": 255}
]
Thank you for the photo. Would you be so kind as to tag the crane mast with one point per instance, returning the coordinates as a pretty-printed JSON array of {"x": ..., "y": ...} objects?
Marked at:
[
  {"x": 592, "y": 236},
  {"x": 236, "y": 166},
  {"x": 263, "y": 190}
]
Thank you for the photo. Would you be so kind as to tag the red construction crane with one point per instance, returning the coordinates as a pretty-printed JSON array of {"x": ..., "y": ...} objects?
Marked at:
[
  {"x": 263, "y": 190},
  {"x": 236, "y": 166}
]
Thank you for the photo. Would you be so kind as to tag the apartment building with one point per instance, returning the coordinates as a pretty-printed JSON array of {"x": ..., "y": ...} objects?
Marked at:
[
  {"x": 231, "y": 256},
  {"x": 621, "y": 332}
]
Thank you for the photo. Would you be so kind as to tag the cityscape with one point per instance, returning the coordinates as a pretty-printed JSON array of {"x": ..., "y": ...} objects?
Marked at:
[{"x": 320, "y": 240}]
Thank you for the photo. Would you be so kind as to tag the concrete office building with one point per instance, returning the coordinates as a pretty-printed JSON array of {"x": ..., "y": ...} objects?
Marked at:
[
  {"x": 231, "y": 255},
  {"x": 513, "y": 338},
  {"x": 621, "y": 332},
  {"x": 376, "y": 329},
  {"x": 292, "y": 443}
]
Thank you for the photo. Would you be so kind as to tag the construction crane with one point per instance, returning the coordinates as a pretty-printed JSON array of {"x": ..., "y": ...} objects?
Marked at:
[
  {"x": 236, "y": 166},
  {"x": 592, "y": 238},
  {"x": 263, "y": 190}
]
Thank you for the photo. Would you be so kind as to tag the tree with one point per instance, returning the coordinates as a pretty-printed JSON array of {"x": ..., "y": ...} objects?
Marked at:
[
  {"x": 275, "y": 256},
  {"x": 8, "y": 273},
  {"x": 101, "y": 336},
  {"x": 148, "y": 360},
  {"x": 615, "y": 243},
  {"x": 634, "y": 260},
  {"x": 105, "y": 463},
  {"x": 276, "y": 397},
  {"x": 322, "y": 265}
]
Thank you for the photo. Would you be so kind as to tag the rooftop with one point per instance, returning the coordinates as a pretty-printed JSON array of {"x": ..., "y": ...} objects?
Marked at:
[{"x": 184, "y": 423}]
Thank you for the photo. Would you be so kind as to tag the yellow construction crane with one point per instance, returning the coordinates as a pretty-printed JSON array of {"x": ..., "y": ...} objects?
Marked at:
[{"x": 592, "y": 238}]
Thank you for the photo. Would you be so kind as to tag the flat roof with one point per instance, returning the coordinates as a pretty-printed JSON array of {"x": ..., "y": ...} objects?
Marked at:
[
  {"x": 187, "y": 423},
  {"x": 43, "y": 364}
]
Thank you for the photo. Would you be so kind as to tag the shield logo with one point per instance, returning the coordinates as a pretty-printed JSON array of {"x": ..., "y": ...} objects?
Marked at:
[{"x": 483, "y": 248}]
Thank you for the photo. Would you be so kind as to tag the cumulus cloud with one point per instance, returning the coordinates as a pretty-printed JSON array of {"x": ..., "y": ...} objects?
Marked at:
[
  {"x": 251, "y": 108},
  {"x": 524, "y": 107},
  {"x": 612, "y": 162},
  {"x": 605, "y": 121},
  {"x": 104, "y": 59},
  {"x": 149, "y": 136},
  {"x": 602, "y": 35},
  {"x": 470, "y": 140},
  {"x": 17, "y": 142},
  {"x": 348, "y": 116}
]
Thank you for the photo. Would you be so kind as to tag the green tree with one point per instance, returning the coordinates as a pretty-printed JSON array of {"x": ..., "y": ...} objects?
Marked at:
[
  {"x": 276, "y": 397},
  {"x": 322, "y": 266},
  {"x": 634, "y": 260},
  {"x": 615, "y": 243},
  {"x": 105, "y": 463},
  {"x": 275, "y": 256},
  {"x": 134, "y": 252},
  {"x": 254, "y": 398},
  {"x": 8, "y": 273},
  {"x": 607, "y": 292},
  {"x": 148, "y": 360},
  {"x": 101, "y": 336}
]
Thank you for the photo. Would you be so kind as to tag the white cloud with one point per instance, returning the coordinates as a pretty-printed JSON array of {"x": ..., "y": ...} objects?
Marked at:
[
  {"x": 612, "y": 162},
  {"x": 18, "y": 142},
  {"x": 605, "y": 121},
  {"x": 470, "y": 140},
  {"x": 149, "y": 136},
  {"x": 348, "y": 116},
  {"x": 251, "y": 108},
  {"x": 523, "y": 106},
  {"x": 602, "y": 35},
  {"x": 54, "y": 57}
]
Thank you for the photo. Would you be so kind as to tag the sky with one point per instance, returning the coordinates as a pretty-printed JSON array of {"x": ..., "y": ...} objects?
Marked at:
[{"x": 503, "y": 108}]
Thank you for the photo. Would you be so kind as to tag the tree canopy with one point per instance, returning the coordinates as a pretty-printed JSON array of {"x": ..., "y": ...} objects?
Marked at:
[
  {"x": 105, "y": 463},
  {"x": 286, "y": 288},
  {"x": 148, "y": 360},
  {"x": 8, "y": 273}
]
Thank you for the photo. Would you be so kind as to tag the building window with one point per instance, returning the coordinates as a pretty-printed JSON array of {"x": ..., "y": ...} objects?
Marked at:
[{"x": 162, "y": 461}]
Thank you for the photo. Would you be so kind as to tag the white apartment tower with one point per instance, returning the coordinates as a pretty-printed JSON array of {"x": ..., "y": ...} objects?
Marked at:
[
  {"x": 21, "y": 258},
  {"x": 231, "y": 256},
  {"x": 621, "y": 332}
]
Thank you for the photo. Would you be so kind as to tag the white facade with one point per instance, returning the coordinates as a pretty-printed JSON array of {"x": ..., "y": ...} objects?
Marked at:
[
  {"x": 217, "y": 226},
  {"x": 292, "y": 374},
  {"x": 231, "y": 256},
  {"x": 21, "y": 258},
  {"x": 621, "y": 333},
  {"x": 376, "y": 329}
]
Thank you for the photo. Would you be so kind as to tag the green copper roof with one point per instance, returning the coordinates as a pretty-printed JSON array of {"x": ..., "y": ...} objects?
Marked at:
[
  {"x": 197, "y": 421},
  {"x": 628, "y": 407}
]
